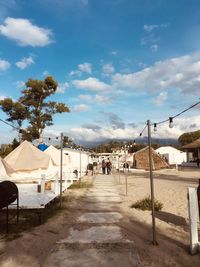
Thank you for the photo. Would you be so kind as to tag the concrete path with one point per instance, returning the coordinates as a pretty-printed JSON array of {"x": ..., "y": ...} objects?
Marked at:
[{"x": 97, "y": 240}]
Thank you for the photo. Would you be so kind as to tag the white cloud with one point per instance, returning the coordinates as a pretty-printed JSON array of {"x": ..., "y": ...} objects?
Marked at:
[
  {"x": 25, "y": 62},
  {"x": 160, "y": 98},
  {"x": 25, "y": 33},
  {"x": 81, "y": 108},
  {"x": 114, "y": 53},
  {"x": 4, "y": 65},
  {"x": 85, "y": 67},
  {"x": 2, "y": 97},
  {"x": 182, "y": 73},
  {"x": 108, "y": 68},
  {"x": 103, "y": 99},
  {"x": 75, "y": 73},
  {"x": 92, "y": 84},
  {"x": 85, "y": 97},
  {"x": 149, "y": 28},
  {"x": 149, "y": 39},
  {"x": 154, "y": 48},
  {"x": 45, "y": 73},
  {"x": 20, "y": 84},
  {"x": 181, "y": 125},
  {"x": 62, "y": 87}
]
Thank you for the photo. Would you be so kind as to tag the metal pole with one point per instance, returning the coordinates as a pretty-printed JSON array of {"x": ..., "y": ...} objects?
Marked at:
[
  {"x": 80, "y": 165},
  {"x": 126, "y": 173},
  {"x": 118, "y": 168},
  {"x": 61, "y": 166},
  {"x": 151, "y": 183}
]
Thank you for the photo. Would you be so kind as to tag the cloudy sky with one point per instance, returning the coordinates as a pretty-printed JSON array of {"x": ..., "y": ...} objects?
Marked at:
[{"x": 117, "y": 62}]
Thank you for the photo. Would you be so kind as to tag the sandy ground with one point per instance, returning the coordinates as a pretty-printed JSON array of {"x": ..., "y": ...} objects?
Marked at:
[
  {"x": 172, "y": 230},
  {"x": 35, "y": 246}
]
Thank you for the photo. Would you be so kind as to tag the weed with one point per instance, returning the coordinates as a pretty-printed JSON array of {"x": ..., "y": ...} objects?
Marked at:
[
  {"x": 145, "y": 204},
  {"x": 81, "y": 185}
]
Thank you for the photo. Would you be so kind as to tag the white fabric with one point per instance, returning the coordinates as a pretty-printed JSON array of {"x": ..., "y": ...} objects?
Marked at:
[
  {"x": 5, "y": 169},
  {"x": 54, "y": 153},
  {"x": 27, "y": 157}
]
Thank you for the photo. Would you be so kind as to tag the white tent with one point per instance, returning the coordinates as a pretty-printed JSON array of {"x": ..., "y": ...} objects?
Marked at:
[
  {"x": 54, "y": 153},
  {"x": 5, "y": 169},
  {"x": 173, "y": 155},
  {"x": 27, "y": 157}
]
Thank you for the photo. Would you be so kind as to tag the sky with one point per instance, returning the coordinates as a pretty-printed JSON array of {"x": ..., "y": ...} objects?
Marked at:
[{"x": 118, "y": 63}]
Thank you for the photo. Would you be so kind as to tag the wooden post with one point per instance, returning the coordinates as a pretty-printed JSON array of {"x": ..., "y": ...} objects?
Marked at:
[
  {"x": 151, "y": 183},
  {"x": 193, "y": 211},
  {"x": 61, "y": 166}
]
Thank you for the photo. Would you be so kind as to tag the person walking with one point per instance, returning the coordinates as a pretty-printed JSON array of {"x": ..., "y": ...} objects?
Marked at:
[
  {"x": 108, "y": 166},
  {"x": 103, "y": 165},
  {"x": 198, "y": 162}
]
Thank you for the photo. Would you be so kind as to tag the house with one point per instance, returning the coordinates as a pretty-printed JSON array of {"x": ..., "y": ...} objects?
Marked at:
[
  {"x": 172, "y": 155},
  {"x": 192, "y": 150}
]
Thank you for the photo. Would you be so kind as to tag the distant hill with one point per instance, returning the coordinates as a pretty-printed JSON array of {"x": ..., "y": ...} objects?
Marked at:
[{"x": 143, "y": 140}]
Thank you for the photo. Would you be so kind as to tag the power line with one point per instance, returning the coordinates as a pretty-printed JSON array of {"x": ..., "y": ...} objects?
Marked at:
[
  {"x": 180, "y": 113},
  {"x": 170, "y": 119},
  {"x": 16, "y": 128}
]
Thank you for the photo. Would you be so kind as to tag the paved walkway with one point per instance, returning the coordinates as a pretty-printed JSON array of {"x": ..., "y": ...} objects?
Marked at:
[{"x": 97, "y": 240}]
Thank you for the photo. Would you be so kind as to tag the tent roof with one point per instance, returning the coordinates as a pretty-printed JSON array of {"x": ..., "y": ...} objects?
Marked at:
[
  {"x": 142, "y": 159},
  {"x": 5, "y": 168},
  {"x": 27, "y": 157},
  {"x": 194, "y": 144},
  {"x": 54, "y": 153}
]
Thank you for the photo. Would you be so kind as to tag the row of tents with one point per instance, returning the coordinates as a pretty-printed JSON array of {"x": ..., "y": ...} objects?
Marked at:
[{"x": 28, "y": 161}]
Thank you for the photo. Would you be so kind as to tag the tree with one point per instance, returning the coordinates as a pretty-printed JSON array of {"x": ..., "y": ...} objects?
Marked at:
[
  {"x": 15, "y": 143},
  {"x": 15, "y": 111},
  {"x": 68, "y": 142},
  {"x": 34, "y": 108},
  {"x": 187, "y": 138}
]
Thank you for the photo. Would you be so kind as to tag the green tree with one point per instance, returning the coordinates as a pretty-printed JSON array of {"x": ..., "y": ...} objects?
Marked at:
[
  {"x": 68, "y": 142},
  {"x": 15, "y": 143},
  {"x": 34, "y": 107},
  {"x": 189, "y": 137},
  {"x": 15, "y": 111}
]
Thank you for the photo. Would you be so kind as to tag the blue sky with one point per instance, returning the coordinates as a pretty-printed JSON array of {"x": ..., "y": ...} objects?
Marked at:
[{"x": 117, "y": 62}]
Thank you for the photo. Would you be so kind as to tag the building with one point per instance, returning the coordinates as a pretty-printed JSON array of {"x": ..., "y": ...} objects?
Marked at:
[{"x": 172, "y": 155}]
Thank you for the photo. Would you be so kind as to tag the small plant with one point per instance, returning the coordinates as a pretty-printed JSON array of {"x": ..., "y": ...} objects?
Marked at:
[{"x": 145, "y": 204}]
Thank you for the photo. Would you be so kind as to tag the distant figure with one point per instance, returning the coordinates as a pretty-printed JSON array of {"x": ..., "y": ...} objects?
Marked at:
[
  {"x": 125, "y": 166},
  {"x": 103, "y": 165},
  {"x": 198, "y": 162},
  {"x": 198, "y": 195},
  {"x": 108, "y": 166}
]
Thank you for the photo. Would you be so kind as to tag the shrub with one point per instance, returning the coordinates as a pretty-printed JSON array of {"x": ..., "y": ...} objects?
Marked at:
[{"x": 145, "y": 204}]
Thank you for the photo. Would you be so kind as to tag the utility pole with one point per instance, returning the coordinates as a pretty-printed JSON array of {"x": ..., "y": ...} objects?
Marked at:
[
  {"x": 61, "y": 166},
  {"x": 151, "y": 183}
]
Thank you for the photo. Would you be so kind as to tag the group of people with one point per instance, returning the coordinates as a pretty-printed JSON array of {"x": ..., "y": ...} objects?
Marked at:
[{"x": 106, "y": 166}]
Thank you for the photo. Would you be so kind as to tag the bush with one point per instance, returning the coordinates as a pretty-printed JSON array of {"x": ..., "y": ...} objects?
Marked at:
[{"x": 145, "y": 204}]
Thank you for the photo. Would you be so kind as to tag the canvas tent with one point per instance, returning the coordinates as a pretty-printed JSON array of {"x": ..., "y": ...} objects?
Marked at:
[
  {"x": 27, "y": 157},
  {"x": 141, "y": 159},
  {"x": 173, "y": 155},
  {"x": 5, "y": 169},
  {"x": 54, "y": 153}
]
